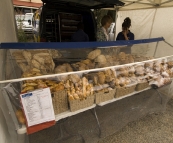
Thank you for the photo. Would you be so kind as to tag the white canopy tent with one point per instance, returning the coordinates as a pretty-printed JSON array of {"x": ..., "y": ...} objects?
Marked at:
[
  {"x": 150, "y": 19},
  {"x": 145, "y": 4}
]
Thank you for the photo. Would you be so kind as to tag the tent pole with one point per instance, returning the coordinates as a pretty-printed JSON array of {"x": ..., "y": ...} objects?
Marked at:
[
  {"x": 168, "y": 43},
  {"x": 151, "y": 32},
  {"x": 152, "y": 23},
  {"x": 115, "y": 29},
  {"x": 156, "y": 49}
]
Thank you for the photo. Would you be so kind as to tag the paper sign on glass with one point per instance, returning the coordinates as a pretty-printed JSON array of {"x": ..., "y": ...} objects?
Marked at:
[{"x": 38, "y": 106}]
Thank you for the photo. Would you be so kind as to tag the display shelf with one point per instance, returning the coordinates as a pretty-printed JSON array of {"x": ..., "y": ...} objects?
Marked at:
[
  {"x": 79, "y": 72},
  {"x": 59, "y": 117},
  {"x": 116, "y": 99}
]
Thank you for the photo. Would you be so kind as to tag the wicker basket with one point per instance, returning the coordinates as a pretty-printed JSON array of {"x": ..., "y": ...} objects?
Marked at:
[
  {"x": 142, "y": 86},
  {"x": 60, "y": 102},
  {"x": 80, "y": 104},
  {"x": 122, "y": 91},
  {"x": 102, "y": 97}
]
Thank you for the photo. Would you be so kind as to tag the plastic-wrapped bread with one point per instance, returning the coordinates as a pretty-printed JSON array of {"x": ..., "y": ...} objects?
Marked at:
[
  {"x": 123, "y": 72},
  {"x": 117, "y": 82},
  {"x": 108, "y": 75},
  {"x": 139, "y": 70},
  {"x": 149, "y": 65},
  {"x": 20, "y": 116},
  {"x": 27, "y": 55},
  {"x": 122, "y": 81},
  {"x": 67, "y": 84},
  {"x": 170, "y": 64},
  {"x": 165, "y": 74},
  {"x": 94, "y": 54},
  {"x": 114, "y": 74},
  {"x": 84, "y": 82},
  {"x": 131, "y": 69},
  {"x": 24, "y": 67},
  {"x": 127, "y": 81},
  {"x": 35, "y": 64},
  {"x": 49, "y": 63},
  {"x": 74, "y": 78},
  {"x": 39, "y": 59}
]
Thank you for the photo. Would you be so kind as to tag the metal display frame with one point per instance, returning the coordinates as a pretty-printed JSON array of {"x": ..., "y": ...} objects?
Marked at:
[{"x": 21, "y": 129}]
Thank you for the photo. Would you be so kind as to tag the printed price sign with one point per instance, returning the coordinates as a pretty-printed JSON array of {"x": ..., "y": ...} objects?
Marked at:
[{"x": 38, "y": 106}]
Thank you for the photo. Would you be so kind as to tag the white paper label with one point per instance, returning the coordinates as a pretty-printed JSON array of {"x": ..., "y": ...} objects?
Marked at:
[{"x": 38, "y": 106}]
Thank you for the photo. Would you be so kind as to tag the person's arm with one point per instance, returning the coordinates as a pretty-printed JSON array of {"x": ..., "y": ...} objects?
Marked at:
[
  {"x": 118, "y": 37},
  {"x": 125, "y": 35},
  {"x": 133, "y": 36}
]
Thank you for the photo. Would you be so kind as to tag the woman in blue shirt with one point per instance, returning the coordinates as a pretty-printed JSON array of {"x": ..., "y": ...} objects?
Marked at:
[{"x": 126, "y": 34}]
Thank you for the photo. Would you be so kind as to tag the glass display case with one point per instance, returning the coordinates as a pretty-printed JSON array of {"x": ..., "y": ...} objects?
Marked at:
[{"x": 81, "y": 76}]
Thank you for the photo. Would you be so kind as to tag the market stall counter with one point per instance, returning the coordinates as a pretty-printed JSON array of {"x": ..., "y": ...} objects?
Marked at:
[{"x": 46, "y": 82}]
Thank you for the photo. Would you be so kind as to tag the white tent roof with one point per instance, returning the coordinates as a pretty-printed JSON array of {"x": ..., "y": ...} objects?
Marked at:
[{"x": 145, "y": 4}]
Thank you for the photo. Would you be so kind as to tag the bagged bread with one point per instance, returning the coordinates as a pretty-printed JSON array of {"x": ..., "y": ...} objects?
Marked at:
[
  {"x": 74, "y": 78},
  {"x": 139, "y": 70},
  {"x": 27, "y": 55}
]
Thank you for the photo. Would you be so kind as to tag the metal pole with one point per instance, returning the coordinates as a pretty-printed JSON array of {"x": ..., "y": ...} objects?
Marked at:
[
  {"x": 168, "y": 43},
  {"x": 115, "y": 27},
  {"x": 156, "y": 49}
]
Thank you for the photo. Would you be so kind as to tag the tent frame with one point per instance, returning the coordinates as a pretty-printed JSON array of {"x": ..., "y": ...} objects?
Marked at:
[{"x": 152, "y": 3}]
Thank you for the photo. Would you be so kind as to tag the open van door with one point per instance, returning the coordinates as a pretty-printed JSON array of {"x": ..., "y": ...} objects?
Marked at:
[
  {"x": 59, "y": 18},
  {"x": 92, "y": 4}
]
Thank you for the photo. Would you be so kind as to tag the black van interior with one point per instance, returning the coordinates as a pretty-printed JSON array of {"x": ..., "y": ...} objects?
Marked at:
[{"x": 59, "y": 19}]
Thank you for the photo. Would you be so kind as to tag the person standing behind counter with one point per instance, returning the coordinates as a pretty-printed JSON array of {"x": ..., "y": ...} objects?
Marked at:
[
  {"x": 126, "y": 34},
  {"x": 80, "y": 35},
  {"x": 102, "y": 33}
]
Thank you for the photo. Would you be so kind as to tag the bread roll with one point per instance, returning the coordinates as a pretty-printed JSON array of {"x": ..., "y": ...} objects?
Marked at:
[
  {"x": 94, "y": 54},
  {"x": 101, "y": 59},
  {"x": 101, "y": 77}
]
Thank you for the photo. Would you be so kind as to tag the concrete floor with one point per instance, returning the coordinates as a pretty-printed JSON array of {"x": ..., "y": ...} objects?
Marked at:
[{"x": 154, "y": 128}]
